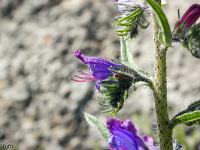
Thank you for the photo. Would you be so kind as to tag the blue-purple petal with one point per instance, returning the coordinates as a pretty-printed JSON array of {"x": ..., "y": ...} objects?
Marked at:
[
  {"x": 99, "y": 67},
  {"x": 122, "y": 140},
  {"x": 124, "y": 136},
  {"x": 98, "y": 84}
]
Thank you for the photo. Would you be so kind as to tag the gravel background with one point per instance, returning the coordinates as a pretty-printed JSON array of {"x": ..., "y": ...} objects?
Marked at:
[{"x": 40, "y": 108}]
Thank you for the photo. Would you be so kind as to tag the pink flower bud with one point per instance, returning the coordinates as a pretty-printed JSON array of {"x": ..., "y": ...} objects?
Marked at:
[{"x": 188, "y": 18}]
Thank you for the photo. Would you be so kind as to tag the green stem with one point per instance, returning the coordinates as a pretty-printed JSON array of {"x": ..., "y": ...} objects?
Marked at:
[{"x": 160, "y": 90}]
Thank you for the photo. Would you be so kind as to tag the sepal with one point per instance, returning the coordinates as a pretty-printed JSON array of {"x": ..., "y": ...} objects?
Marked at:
[
  {"x": 115, "y": 89},
  {"x": 135, "y": 74},
  {"x": 114, "y": 93}
]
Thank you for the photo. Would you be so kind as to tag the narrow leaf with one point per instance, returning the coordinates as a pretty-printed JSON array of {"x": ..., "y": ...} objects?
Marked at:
[
  {"x": 189, "y": 116},
  {"x": 126, "y": 56},
  {"x": 166, "y": 32},
  {"x": 98, "y": 125}
]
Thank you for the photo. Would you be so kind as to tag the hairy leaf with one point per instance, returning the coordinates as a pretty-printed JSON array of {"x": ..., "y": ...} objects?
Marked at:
[
  {"x": 189, "y": 116},
  {"x": 98, "y": 125},
  {"x": 126, "y": 56}
]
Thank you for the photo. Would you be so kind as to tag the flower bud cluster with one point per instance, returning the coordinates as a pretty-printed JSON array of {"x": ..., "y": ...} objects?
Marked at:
[{"x": 188, "y": 32}]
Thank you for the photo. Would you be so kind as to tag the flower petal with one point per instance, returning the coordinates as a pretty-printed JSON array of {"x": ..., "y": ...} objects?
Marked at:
[
  {"x": 124, "y": 136},
  {"x": 150, "y": 143},
  {"x": 99, "y": 67},
  {"x": 121, "y": 139},
  {"x": 189, "y": 17}
]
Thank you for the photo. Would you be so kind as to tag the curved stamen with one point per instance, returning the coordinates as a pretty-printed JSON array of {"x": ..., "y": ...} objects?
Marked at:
[{"x": 85, "y": 77}]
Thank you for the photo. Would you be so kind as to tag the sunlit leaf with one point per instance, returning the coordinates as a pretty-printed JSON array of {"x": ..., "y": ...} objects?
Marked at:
[
  {"x": 189, "y": 116},
  {"x": 98, "y": 125}
]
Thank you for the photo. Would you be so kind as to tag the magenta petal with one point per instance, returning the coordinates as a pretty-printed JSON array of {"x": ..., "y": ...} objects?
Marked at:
[
  {"x": 192, "y": 7},
  {"x": 192, "y": 18},
  {"x": 189, "y": 17}
]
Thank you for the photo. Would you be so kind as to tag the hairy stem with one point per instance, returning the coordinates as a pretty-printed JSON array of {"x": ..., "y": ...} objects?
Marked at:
[{"x": 160, "y": 90}]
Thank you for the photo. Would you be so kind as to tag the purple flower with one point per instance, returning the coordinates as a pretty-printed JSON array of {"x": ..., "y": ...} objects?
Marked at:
[
  {"x": 124, "y": 136},
  {"x": 99, "y": 69},
  {"x": 188, "y": 18}
]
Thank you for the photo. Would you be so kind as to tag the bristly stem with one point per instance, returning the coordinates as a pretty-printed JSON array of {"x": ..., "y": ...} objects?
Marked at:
[{"x": 160, "y": 90}]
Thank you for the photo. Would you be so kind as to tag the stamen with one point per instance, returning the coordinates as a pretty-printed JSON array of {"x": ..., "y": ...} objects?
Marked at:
[{"x": 84, "y": 77}]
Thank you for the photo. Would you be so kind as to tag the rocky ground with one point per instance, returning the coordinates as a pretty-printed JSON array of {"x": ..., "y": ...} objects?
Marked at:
[{"x": 40, "y": 107}]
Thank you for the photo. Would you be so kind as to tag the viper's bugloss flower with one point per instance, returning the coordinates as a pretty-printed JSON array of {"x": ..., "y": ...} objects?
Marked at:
[
  {"x": 188, "y": 18},
  {"x": 133, "y": 16},
  {"x": 113, "y": 86},
  {"x": 113, "y": 80},
  {"x": 99, "y": 69},
  {"x": 125, "y": 136}
]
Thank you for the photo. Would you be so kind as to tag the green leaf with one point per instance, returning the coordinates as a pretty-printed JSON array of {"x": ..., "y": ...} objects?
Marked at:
[
  {"x": 189, "y": 116},
  {"x": 98, "y": 125},
  {"x": 126, "y": 55},
  {"x": 166, "y": 32},
  {"x": 127, "y": 58}
]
